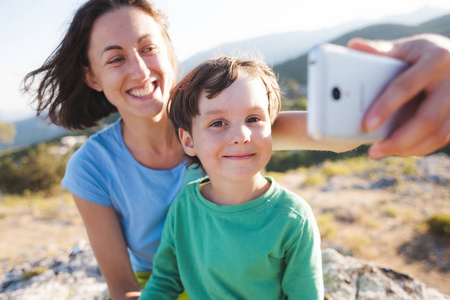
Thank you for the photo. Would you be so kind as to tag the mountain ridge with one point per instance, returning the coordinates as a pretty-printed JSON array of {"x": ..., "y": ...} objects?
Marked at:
[
  {"x": 275, "y": 50},
  {"x": 297, "y": 68},
  {"x": 34, "y": 130}
]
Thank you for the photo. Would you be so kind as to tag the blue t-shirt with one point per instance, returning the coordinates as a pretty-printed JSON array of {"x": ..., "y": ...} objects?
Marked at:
[{"x": 104, "y": 172}]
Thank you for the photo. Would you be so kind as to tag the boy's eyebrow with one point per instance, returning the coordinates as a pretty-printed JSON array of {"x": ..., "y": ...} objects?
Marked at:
[
  {"x": 219, "y": 111},
  {"x": 212, "y": 112},
  {"x": 117, "y": 47}
]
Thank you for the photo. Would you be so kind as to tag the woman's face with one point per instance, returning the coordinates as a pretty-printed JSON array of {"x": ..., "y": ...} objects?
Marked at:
[{"x": 129, "y": 63}]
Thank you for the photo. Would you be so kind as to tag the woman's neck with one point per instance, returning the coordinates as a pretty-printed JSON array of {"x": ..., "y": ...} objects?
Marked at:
[
  {"x": 223, "y": 192},
  {"x": 152, "y": 143}
]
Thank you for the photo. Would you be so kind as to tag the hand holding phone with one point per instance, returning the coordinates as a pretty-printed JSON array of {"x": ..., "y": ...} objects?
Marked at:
[{"x": 342, "y": 84}]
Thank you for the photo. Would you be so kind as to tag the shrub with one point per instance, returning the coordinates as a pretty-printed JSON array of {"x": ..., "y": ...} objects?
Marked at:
[
  {"x": 327, "y": 226},
  {"x": 35, "y": 169},
  {"x": 331, "y": 169},
  {"x": 439, "y": 224},
  {"x": 315, "y": 179},
  {"x": 33, "y": 272}
]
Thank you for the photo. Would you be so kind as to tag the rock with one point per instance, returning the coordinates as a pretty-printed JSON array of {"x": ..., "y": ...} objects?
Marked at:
[
  {"x": 75, "y": 275},
  {"x": 348, "y": 278},
  {"x": 384, "y": 183},
  {"x": 436, "y": 168},
  {"x": 71, "y": 275}
]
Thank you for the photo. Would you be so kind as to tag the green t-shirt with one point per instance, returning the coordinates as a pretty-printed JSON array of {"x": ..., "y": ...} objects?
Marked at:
[{"x": 268, "y": 248}]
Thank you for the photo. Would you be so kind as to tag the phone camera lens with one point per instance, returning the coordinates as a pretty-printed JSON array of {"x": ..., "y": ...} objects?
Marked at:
[{"x": 336, "y": 93}]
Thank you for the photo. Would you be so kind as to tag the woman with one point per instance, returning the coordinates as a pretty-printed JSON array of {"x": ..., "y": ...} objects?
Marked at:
[{"x": 117, "y": 56}]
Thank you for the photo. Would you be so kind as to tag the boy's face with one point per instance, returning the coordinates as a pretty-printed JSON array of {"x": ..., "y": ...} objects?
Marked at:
[{"x": 232, "y": 134}]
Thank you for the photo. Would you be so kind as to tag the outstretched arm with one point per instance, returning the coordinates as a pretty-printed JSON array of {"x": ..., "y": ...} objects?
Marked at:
[
  {"x": 289, "y": 133},
  {"x": 429, "y": 129}
]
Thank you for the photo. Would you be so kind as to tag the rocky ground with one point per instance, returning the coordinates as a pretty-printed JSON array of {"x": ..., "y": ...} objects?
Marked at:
[
  {"x": 376, "y": 211},
  {"x": 366, "y": 210}
]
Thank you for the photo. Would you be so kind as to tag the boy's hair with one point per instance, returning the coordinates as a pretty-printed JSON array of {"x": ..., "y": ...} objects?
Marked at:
[
  {"x": 62, "y": 89},
  {"x": 213, "y": 76}
]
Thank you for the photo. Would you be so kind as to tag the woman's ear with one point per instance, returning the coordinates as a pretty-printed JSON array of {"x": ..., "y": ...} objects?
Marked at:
[
  {"x": 91, "y": 80},
  {"x": 186, "y": 142}
]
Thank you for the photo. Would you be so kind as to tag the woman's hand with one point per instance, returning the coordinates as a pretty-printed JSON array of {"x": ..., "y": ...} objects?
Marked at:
[{"x": 429, "y": 129}]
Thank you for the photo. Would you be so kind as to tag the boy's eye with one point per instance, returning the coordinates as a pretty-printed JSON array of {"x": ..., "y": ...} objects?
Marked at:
[
  {"x": 217, "y": 124},
  {"x": 253, "y": 119}
]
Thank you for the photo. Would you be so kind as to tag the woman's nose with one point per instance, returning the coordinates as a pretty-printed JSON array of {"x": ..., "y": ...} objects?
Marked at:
[
  {"x": 241, "y": 135},
  {"x": 139, "y": 70}
]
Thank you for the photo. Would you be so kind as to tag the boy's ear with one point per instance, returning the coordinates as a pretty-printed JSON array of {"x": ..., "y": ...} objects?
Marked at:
[
  {"x": 91, "y": 80},
  {"x": 186, "y": 142}
]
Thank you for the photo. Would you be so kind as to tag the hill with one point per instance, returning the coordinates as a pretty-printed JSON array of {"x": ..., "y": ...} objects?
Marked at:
[
  {"x": 297, "y": 68},
  {"x": 33, "y": 130},
  {"x": 278, "y": 48},
  {"x": 285, "y": 51}
]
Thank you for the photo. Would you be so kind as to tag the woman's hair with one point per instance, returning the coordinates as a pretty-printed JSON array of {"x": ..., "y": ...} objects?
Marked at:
[
  {"x": 62, "y": 89},
  {"x": 213, "y": 76}
]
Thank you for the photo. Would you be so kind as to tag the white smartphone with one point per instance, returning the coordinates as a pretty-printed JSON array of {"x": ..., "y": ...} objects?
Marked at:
[{"x": 342, "y": 84}]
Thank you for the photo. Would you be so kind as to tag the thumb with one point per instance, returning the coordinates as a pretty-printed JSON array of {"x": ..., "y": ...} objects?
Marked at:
[{"x": 379, "y": 47}]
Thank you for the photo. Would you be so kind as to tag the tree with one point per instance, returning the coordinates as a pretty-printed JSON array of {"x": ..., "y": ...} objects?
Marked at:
[{"x": 7, "y": 133}]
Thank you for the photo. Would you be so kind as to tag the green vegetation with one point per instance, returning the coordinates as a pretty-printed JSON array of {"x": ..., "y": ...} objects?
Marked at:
[
  {"x": 327, "y": 225},
  {"x": 336, "y": 168},
  {"x": 38, "y": 168},
  {"x": 391, "y": 211},
  {"x": 39, "y": 205},
  {"x": 439, "y": 224},
  {"x": 282, "y": 161},
  {"x": 295, "y": 103},
  {"x": 33, "y": 272},
  {"x": 274, "y": 175},
  {"x": 315, "y": 179},
  {"x": 357, "y": 243}
]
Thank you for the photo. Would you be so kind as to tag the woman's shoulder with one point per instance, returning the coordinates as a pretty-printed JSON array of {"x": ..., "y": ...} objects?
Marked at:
[
  {"x": 100, "y": 142},
  {"x": 107, "y": 136}
]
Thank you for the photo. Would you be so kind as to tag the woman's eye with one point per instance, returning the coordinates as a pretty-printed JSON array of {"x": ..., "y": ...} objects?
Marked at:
[
  {"x": 115, "y": 60},
  {"x": 217, "y": 124},
  {"x": 150, "y": 49}
]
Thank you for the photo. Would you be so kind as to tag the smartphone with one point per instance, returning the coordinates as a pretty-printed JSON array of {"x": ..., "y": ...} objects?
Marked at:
[{"x": 342, "y": 84}]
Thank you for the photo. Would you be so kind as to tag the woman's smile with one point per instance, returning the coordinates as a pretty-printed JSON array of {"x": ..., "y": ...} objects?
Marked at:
[{"x": 143, "y": 91}]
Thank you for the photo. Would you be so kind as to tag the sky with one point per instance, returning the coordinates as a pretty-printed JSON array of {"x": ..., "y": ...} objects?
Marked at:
[{"x": 31, "y": 29}]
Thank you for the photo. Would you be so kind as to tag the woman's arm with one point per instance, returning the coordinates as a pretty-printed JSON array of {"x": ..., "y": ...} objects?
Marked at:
[
  {"x": 429, "y": 129},
  {"x": 108, "y": 244},
  {"x": 289, "y": 133}
]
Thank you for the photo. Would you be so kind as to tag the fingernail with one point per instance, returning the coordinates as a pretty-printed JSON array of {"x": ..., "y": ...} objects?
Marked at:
[
  {"x": 382, "y": 46},
  {"x": 375, "y": 152},
  {"x": 372, "y": 123}
]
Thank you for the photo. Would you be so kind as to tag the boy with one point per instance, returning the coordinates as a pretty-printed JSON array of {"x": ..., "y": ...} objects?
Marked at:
[{"x": 234, "y": 234}]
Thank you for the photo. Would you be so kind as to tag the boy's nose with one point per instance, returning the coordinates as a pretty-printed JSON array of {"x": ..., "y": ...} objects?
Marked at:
[{"x": 241, "y": 135}]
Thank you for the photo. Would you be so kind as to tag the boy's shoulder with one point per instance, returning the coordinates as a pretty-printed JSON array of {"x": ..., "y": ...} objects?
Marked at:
[
  {"x": 188, "y": 191},
  {"x": 287, "y": 199}
]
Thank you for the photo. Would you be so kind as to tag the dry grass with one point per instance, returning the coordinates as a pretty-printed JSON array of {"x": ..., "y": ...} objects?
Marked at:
[
  {"x": 377, "y": 211},
  {"x": 33, "y": 226},
  {"x": 386, "y": 225}
]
